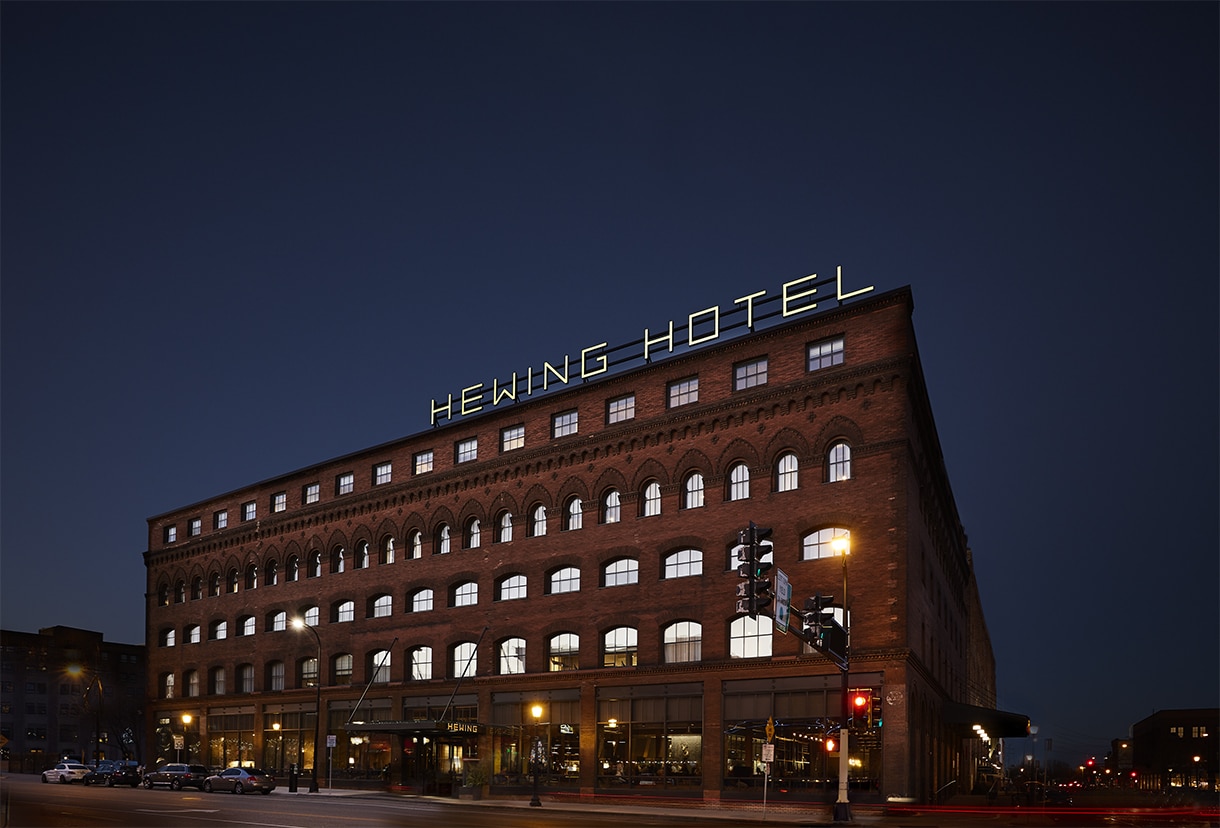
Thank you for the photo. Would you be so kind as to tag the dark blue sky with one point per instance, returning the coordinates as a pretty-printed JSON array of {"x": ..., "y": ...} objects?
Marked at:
[{"x": 241, "y": 238}]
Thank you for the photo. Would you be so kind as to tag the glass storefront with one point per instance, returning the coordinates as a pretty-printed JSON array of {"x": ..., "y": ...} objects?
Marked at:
[
  {"x": 548, "y": 720},
  {"x": 650, "y": 738}
]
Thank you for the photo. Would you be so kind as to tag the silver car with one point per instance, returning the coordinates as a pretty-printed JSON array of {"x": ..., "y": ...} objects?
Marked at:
[
  {"x": 240, "y": 780},
  {"x": 65, "y": 772}
]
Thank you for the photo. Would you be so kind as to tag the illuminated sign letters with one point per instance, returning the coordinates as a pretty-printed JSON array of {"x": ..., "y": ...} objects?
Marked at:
[{"x": 702, "y": 326}]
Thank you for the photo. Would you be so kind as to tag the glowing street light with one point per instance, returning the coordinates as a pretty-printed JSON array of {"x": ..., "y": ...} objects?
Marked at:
[{"x": 299, "y": 624}]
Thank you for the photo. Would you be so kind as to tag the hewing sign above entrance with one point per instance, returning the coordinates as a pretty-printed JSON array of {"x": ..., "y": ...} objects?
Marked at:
[{"x": 702, "y": 326}]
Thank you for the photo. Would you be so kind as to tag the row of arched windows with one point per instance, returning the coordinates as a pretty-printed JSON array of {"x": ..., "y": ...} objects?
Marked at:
[{"x": 680, "y": 642}]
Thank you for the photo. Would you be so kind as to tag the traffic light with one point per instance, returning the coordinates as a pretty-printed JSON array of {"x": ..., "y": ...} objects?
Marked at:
[
  {"x": 860, "y": 707},
  {"x": 874, "y": 716},
  {"x": 754, "y": 594}
]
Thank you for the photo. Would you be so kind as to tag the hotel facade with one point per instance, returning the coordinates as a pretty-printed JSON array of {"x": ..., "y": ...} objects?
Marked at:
[{"x": 551, "y": 577}]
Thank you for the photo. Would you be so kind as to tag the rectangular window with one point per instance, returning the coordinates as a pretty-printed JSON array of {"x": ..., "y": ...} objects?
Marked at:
[
  {"x": 423, "y": 462},
  {"x": 249, "y": 511},
  {"x": 195, "y": 527},
  {"x": 382, "y": 474},
  {"x": 345, "y": 483},
  {"x": 220, "y": 520},
  {"x": 311, "y": 493},
  {"x": 171, "y": 534},
  {"x": 563, "y": 424},
  {"x": 683, "y": 392},
  {"x": 827, "y": 353},
  {"x": 512, "y": 437},
  {"x": 467, "y": 450},
  {"x": 620, "y": 409},
  {"x": 279, "y": 502},
  {"x": 749, "y": 374}
]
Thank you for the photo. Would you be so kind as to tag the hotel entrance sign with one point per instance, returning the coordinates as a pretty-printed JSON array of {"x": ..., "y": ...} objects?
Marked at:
[{"x": 702, "y": 326}]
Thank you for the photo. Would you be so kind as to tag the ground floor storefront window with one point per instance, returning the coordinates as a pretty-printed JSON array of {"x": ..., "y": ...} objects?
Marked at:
[
  {"x": 536, "y": 733},
  {"x": 650, "y": 738}
]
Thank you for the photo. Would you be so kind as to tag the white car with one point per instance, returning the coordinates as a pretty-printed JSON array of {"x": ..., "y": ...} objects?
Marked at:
[{"x": 65, "y": 772}]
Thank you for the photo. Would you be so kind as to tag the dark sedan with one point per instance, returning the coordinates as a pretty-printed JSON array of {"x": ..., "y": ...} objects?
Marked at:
[
  {"x": 240, "y": 780},
  {"x": 177, "y": 776}
]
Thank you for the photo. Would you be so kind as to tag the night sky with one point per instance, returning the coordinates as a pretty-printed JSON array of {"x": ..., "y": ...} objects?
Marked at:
[{"x": 239, "y": 239}]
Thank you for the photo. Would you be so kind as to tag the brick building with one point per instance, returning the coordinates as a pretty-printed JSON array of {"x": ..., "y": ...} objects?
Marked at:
[{"x": 556, "y": 569}]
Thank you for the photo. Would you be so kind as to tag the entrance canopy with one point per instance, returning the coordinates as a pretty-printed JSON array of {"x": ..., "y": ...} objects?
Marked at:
[
  {"x": 997, "y": 723},
  {"x": 419, "y": 728}
]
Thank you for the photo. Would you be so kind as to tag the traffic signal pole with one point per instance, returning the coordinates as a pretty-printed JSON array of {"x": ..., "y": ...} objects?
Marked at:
[{"x": 842, "y": 811}]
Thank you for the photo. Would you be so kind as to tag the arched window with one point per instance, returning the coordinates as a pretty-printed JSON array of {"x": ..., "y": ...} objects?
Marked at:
[
  {"x": 192, "y": 634},
  {"x": 345, "y": 611},
  {"x": 279, "y": 621},
  {"x": 416, "y": 539},
  {"x": 245, "y": 678},
  {"x": 820, "y": 543},
  {"x": 361, "y": 560},
  {"x": 191, "y": 680},
  {"x": 465, "y": 659},
  {"x": 233, "y": 581},
  {"x": 252, "y": 576},
  {"x": 576, "y": 516},
  {"x": 216, "y": 681},
  {"x": 749, "y": 638},
  {"x": 180, "y": 592},
  {"x": 342, "y": 668},
  {"x": 538, "y": 521},
  {"x": 167, "y": 686},
  {"x": 838, "y": 461},
  {"x": 739, "y": 482},
  {"x": 683, "y": 642},
  {"x": 566, "y": 579},
  {"x": 786, "y": 473},
  {"x": 168, "y": 637},
  {"x": 511, "y": 588},
  {"x": 473, "y": 534},
  {"x": 651, "y": 502},
  {"x": 315, "y": 564},
  {"x": 692, "y": 491},
  {"x": 611, "y": 509},
  {"x": 620, "y": 647},
  {"x": 620, "y": 572},
  {"x": 218, "y": 631},
  {"x": 421, "y": 663},
  {"x": 383, "y": 606},
  {"x": 466, "y": 594},
  {"x": 196, "y": 588},
  {"x": 512, "y": 656},
  {"x": 442, "y": 539},
  {"x": 385, "y": 552},
  {"x": 684, "y": 563},
  {"x": 421, "y": 600},
  {"x": 311, "y": 615},
  {"x": 379, "y": 666},
  {"x": 505, "y": 524},
  {"x": 163, "y": 595},
  {"x": 275, "y": 675},
  {"x": 246, "y": 625},
  {"x": 338, "y": 560},
  {"x": 214, "y": 585},
  {"x": 563, "y": 652},
  {"x": 293, "y": 570},
  {"x": 271, "y": 573}
]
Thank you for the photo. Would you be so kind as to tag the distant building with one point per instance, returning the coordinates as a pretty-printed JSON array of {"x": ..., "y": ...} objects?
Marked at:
[
  {"x": 560, "y": 567},
  {"x": 1177, "y": 750},
  {"x": 66, "y": 692}
]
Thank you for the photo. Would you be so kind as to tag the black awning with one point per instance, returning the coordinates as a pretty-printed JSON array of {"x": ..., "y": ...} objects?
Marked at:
[
  {"x": 998, "y": 723},
  {"x": 418, "y": 728}
]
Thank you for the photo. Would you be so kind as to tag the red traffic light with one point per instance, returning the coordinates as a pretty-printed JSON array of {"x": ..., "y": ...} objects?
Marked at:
[{"x": 859, "y": 701}]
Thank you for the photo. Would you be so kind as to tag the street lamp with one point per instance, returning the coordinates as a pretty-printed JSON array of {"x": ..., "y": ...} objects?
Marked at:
[
  {"x": 186, "y": 721},
  {"x": 298, "y": 624},
  {"x": 279, "y": 745},
  {"x": 535, "y": 754},
  {"x": 842, "y": 810}
]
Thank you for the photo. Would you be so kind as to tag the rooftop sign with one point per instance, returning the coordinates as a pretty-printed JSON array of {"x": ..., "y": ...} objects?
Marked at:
[{"x": 702, "y": 326}]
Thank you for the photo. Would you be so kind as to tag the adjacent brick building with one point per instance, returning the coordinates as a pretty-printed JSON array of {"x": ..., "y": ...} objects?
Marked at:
[{"x": 570, "y": 553}]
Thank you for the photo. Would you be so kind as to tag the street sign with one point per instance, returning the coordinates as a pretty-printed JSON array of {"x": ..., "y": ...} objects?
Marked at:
[
  {"x": 331, "y": 740},
  {"x": 768, "y": 753},
  {"x": 783, "y": 600}
]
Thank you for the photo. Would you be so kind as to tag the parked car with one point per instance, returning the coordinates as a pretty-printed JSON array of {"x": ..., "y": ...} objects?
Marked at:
[
  {"x": 240, "y": 780},
  {"x": 65, "y": 772},
  {"x": 177, "y": 776},
  {"x": 99, "y": 774},
  {"x": 124, "y": 773}
]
